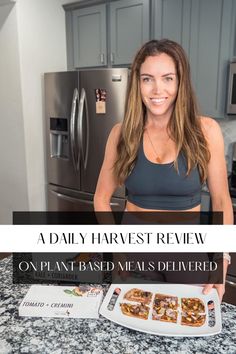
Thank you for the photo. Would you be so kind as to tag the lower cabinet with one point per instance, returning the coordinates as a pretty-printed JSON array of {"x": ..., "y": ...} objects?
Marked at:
[{"x": 230, "y": 288}]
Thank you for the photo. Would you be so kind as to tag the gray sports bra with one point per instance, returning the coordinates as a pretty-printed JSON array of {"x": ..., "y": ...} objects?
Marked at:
[{"x": 160, "y": 187}]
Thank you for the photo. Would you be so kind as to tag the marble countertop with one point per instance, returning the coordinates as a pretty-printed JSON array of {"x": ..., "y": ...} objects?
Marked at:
[{"x": 73, "y": 336}]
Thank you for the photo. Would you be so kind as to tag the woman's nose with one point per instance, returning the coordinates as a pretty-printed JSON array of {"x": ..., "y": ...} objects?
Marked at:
[{"x": 156, "y": 86}]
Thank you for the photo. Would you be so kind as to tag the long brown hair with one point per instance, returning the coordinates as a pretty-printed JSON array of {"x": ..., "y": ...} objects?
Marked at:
[{"x": 184, "y": 126}]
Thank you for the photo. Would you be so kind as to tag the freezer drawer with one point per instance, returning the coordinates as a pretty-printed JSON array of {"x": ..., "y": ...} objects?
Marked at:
[{"x": 64, "y": 199}]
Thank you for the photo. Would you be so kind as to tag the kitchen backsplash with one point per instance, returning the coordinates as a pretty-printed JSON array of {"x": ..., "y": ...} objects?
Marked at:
[{"x": 229, "y": 132}]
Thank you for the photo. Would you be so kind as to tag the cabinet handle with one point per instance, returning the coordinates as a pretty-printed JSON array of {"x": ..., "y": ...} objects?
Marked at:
[
  {"x": 102, "y": 58},
  {"x": 112, "y": 57}
]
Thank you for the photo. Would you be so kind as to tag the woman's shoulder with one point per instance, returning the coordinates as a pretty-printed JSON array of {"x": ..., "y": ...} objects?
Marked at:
[
  {"x": 116, "y": 130},
  {"x": 210, "y": 127},
  {"x": 114, "y": 135}
]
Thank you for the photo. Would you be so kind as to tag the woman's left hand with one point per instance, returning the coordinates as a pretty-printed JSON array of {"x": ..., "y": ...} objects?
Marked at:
[{"x": 220, "y": 288}]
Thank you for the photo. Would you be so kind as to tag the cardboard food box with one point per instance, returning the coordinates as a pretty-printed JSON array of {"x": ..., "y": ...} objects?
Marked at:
[{"x": 81, "y": 301}]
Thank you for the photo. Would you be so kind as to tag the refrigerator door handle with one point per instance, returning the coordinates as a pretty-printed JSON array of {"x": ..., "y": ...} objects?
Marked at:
[
  {"x": 71, "y": 199},
  {"x": 72, "y": 125},
  {"x": 87, "y": 133},
  {"x": 83, "y": 103}
]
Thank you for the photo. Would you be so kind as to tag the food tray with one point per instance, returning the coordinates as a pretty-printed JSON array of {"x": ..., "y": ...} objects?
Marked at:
[{"x": 159, "y": 327}]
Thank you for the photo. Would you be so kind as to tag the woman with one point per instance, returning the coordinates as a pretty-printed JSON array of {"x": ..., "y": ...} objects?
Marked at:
[{"x": 164, "y": 151}]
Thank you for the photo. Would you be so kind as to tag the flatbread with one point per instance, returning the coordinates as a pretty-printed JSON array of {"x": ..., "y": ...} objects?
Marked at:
[
  {"x": 138, "y": 295},
  {"x": 193, "y": 312},
  {"x": 135, "y": 310},
  {"x": 165, "y": 308}
]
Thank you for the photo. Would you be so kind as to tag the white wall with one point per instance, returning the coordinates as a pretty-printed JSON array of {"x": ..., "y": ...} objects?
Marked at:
[
  {"x": 42, "y": 45},
  {"x": 32, "y": 41},
  {"x": 13, "y": 180}
]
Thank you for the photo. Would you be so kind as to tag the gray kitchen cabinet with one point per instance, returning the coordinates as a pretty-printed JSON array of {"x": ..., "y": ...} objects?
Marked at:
[
  {"x": 109, "y": 32},
  {"x": 89, "y": 36},
  {"x": 106, "y": 34},
  {"x": 129, "y": 26},
  {"x": 171, "y": 19},
  {"x": 209, "y": 53},
  {"x": 206, "y": 30}
]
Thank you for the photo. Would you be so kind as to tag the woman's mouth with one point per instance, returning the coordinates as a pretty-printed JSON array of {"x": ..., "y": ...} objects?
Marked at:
[{"x": 158, "y": 101}]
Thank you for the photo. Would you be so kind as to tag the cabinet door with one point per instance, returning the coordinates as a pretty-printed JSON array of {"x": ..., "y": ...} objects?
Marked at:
[
  {"x": 171, "y": 19},
  {"x": 210, "y": 53},
  {"x": 129, "y": 28},
  {"x": 205, "y": 29},
  {"x": 89, "y": 36}
]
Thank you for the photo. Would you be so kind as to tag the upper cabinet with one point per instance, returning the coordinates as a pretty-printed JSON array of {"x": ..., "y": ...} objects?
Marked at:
[
  {"x": 106, "y": 34},
  {"x": 129, "y": 28},
  {"x": 206, "y": 30},
  {"x": 210, "y": 52},
  {"x": 89, "y": 36},
  {"x": 109, "y": 32},
  {"x": 171, "y": 19}
]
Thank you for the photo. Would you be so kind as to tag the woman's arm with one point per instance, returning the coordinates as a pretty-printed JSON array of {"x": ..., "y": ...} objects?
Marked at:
[
  {"x": 218, "y": 185},
  {"x": 107, "y": 182}
]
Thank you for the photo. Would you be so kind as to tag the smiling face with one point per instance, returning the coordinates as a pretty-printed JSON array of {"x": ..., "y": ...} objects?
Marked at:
[{"x": 158, "y": 85}]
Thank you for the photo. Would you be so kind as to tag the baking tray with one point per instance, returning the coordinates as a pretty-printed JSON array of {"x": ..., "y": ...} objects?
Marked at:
[{"x": 158, "y": 327}]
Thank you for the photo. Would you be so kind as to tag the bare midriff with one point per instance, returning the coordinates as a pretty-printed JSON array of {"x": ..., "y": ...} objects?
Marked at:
[
  {"x": 163, "y": 216},
  {"x": 132, "y": 207}
]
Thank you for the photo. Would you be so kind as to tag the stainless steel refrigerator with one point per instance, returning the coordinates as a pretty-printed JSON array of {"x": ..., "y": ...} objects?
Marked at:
[{"x": 81, "y": 109}]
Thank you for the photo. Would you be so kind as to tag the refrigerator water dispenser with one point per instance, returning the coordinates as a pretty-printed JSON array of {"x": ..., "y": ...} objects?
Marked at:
[{"x": 59, "y": 141}]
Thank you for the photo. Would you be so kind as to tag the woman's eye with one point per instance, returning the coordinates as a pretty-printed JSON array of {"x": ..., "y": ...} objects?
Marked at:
[
  {"x": 168, "y": 78},
  {"x": 147, "y": 79}
]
